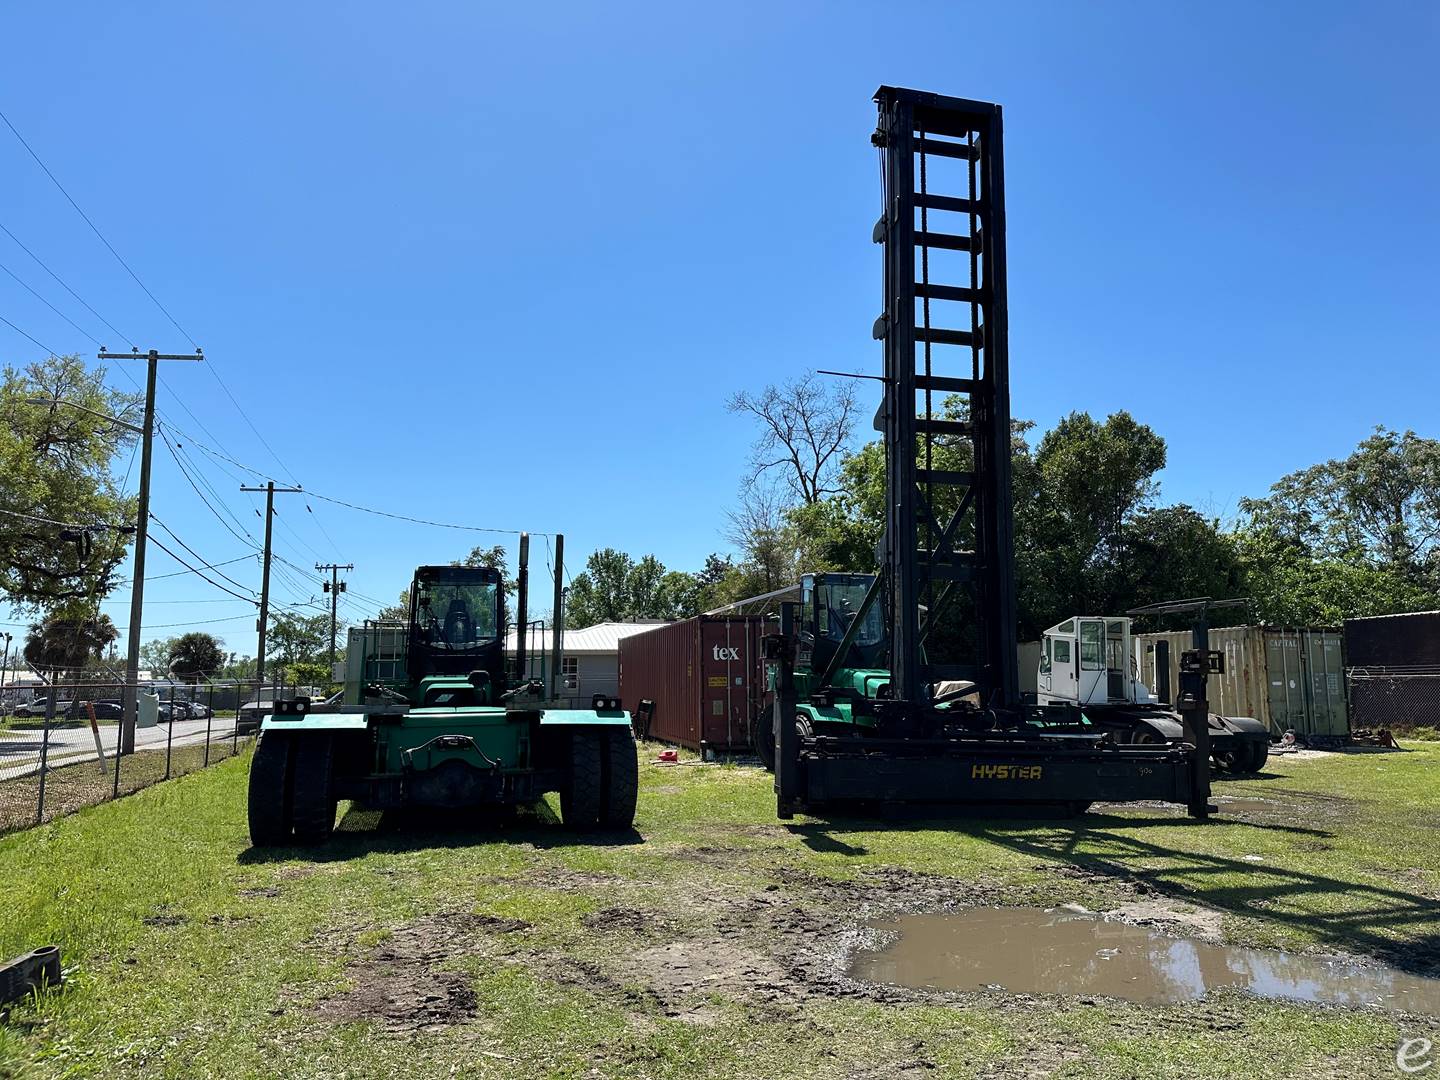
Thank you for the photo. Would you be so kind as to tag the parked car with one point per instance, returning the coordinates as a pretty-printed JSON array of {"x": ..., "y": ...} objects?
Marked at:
[
  {"x": 199, "y": 710},
  {"x": 253, "y": 711},
  {"x": 181, "y": 709},
  {"x": 36, "y": 708},
  {"x": 107, "y": 709}
]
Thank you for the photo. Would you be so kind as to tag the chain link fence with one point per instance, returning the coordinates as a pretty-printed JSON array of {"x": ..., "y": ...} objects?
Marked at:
[
  {"x": 59, "y": 743},
  {"x": 1400, "y": 699}
]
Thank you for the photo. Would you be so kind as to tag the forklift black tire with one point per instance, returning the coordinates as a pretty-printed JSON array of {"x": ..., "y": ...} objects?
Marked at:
[
  {"x": 1145, "y": 735},
  {"x": 314, "y": 788},
  {"x": 622, "y": 779},
  {"x": 1259, "y": 755},
  {"x": 583, "y": 798},
  {"x": 763, "y": 733},
  {"x": 268, "y": 800}
]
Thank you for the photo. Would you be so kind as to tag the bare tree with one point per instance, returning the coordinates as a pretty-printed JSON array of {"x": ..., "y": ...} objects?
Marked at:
[
  {"x": 805, "y": 426},
  {"x": 760, "y": 528}
]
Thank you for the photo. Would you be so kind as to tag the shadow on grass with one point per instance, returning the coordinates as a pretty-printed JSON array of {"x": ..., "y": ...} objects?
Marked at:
[
  {"x": 362, "y": 832},
  {"x": 1398, "y": 927}
]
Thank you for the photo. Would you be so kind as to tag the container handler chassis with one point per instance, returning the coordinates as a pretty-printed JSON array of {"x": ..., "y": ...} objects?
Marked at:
[
  {"x": 948, "y": 535},
  {"x": 445, "y": 724}
]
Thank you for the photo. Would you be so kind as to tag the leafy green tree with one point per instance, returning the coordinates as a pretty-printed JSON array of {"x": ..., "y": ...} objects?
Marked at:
[
  {"x": 614, "y": 587},
  {"x": 155, "y": 654},
  {"x": 1088, "y": 535},
  {"x": 1354, "y": 536},
  {"x": 295, "y": 639},
  {"x": 601, "y": 592},
  {"x": 315, "y": 673},
  {"x": 195, "y": 656},
  {"x": 683, "y": 595},
  {"x": 55, "y": 466},
  {"x": 65, "y": 646},
  {"x": 396, "y": 612}
]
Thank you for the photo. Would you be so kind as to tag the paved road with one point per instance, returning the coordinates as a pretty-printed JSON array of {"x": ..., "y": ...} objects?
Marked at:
[{"x": 20, "y": 750}]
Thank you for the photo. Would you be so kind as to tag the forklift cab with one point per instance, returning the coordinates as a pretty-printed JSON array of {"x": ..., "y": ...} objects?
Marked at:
[
  {"x": 829, "y": 604},
  {"x": 1086, "y": 661},
  {"x": 455, "y": 615}
]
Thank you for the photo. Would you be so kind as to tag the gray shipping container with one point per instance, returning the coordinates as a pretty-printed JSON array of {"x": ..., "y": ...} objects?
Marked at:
[{"x": 1288, "y": 679}]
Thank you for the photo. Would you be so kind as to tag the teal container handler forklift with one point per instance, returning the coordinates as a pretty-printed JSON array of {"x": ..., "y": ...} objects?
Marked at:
[
  {"x": 436, "y": 717},
  {"x": 871, "y": 703}
]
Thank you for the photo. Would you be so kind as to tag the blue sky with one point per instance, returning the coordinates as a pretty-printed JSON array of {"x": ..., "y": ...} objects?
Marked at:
[{"x": 502, "y": 265}]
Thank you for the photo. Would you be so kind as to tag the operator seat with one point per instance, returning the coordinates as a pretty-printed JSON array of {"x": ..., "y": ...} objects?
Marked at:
[{"x": 458, "y": 627}]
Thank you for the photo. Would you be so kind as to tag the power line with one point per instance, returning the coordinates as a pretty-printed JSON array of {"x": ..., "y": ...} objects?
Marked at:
[
  {"x": 196, "y": 554},
  {"x": 153, "y": 298},
  {"x": 196, "y": 600},
  {"x": 415, "y": 520},
  {"x": 182, "y": 573},
  {"x": 23, "y": 334},
  {"x": 198, "y": 574},
  {"x": 96, "y": 230},
  {"x": 324, "y": 532},
  {"x": 210, "y": 450},
  {"x": 64, "y": 524},
  {"x": 246, "y": 417},
  {"x": 196, "y": 622},
  {"x": 52, "y": 307},
  {"x": 124, "y": 337},
  {"x": 244, "y": 539}
]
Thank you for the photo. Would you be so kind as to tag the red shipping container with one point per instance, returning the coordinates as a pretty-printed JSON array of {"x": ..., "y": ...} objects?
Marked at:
[{"x": 705, "y": 676}]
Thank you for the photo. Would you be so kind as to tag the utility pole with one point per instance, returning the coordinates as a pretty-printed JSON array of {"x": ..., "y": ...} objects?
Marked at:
[
  {"x": 131, "y": 692},
  {"x": 270, "y": 489},
  {"x": 557, "y": 630},
  {"x": 334, "y": 587},
  {"x": 4, "y": 666}
]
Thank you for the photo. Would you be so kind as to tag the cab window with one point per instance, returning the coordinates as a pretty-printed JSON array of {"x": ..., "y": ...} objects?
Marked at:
[{"x": 1091, "y": 634}]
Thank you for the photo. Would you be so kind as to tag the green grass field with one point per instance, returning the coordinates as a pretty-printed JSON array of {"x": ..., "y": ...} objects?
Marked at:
[{"x": 711, "y": 943}]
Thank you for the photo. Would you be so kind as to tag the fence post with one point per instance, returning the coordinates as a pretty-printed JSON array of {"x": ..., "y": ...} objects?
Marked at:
[
  {"x": 170, "y": 731},
  {"x": 45, "y": 751},
  {"x": 209, "y": 719},
  {"x": 132, "y": 695}
]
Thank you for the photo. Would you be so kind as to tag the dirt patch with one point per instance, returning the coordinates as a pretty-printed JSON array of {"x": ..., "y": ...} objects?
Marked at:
[
  {"x": 683, "y": 975},
  {"x": 404, "y": 984},
  {"x": 262, "y": 891},
  {"x": 165, "y": 918},
  {"x": 563, "y": 879},
  {"x": 1177, "y": 919},
  {"x": 627, "y": 921}
]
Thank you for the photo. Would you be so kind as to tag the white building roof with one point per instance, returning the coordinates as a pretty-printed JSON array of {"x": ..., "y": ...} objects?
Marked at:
[{"x": 594, "y": 640}]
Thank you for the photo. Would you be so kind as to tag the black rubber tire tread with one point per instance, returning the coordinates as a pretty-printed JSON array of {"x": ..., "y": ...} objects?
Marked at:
[
  {"x": 268, "y": 799},
  {"x": 622, "y": 780},
  {"x": 314, "y": 799},
  {"x": 583, "y": 797},
  {"x": 1259, "y": 755},
  {"x": 762, "y": 734}
]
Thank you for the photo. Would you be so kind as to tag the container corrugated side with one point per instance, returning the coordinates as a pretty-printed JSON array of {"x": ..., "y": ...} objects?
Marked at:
[
  {"x": 702, "y": 676},
  {"x": 1285, "y": 678}
]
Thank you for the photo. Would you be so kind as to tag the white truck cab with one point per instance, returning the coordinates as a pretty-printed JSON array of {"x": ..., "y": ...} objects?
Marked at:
[{"x": 1086, "y": 660}]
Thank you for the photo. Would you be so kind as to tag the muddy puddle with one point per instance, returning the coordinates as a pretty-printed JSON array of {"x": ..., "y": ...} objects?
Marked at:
[{"x": 1042, "y": 951}]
